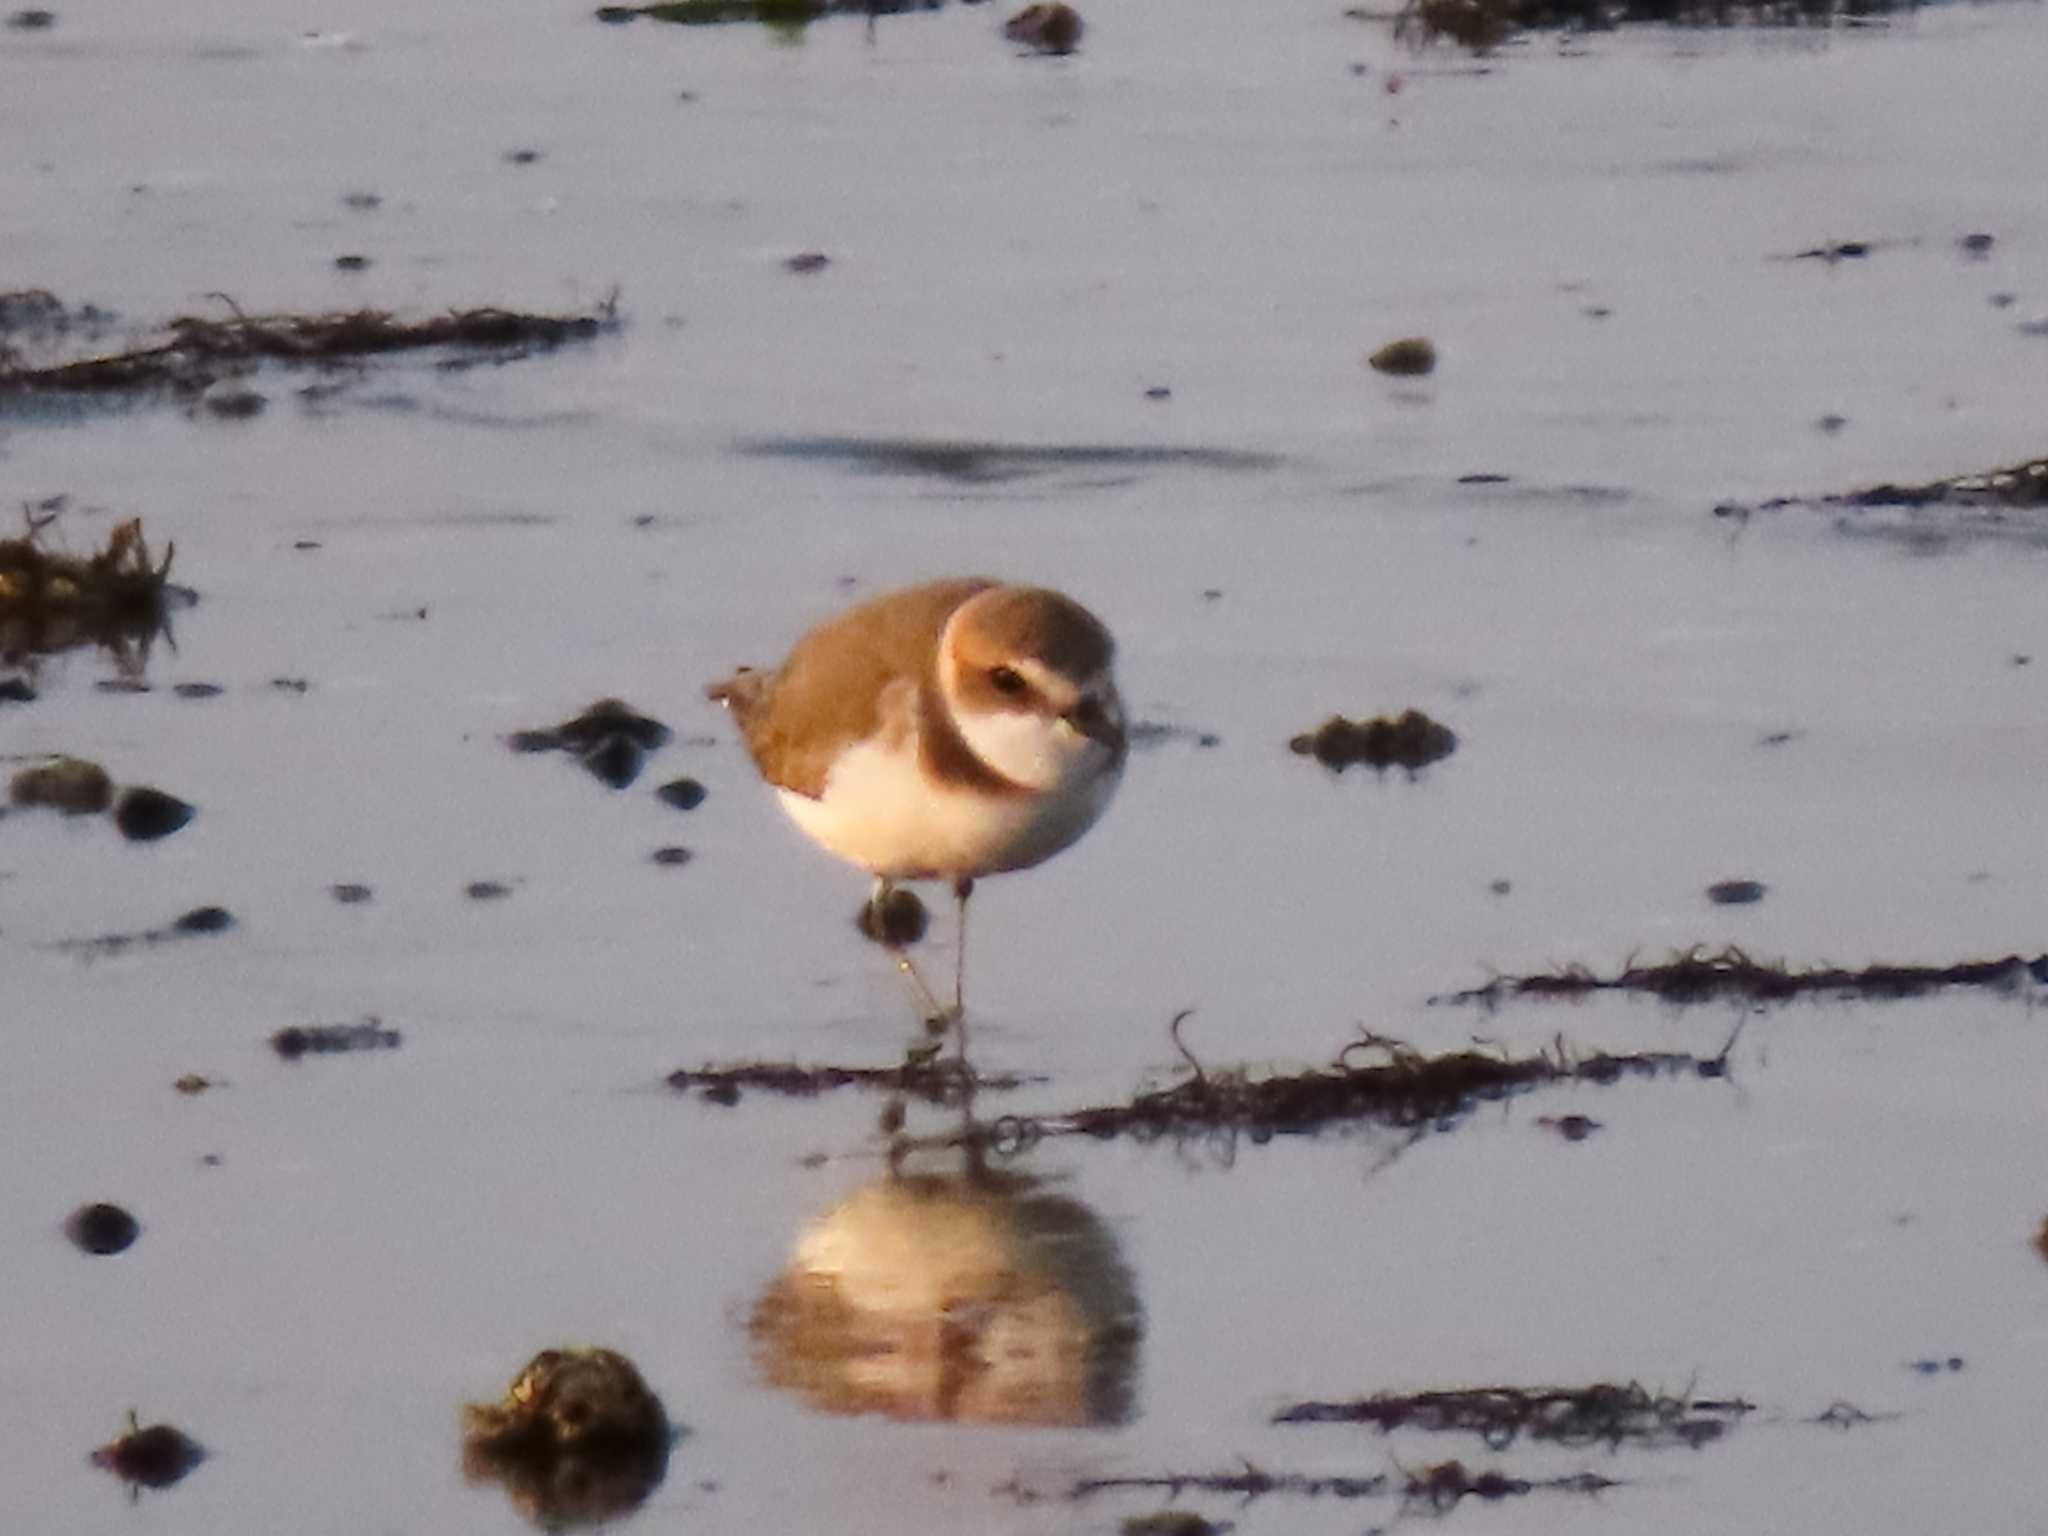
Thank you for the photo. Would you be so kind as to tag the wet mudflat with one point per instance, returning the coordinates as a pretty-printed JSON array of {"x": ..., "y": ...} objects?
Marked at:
[{"x": 390, "y": 1107}]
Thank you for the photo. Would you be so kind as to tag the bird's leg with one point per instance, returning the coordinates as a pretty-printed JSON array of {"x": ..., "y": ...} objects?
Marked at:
[
  {"x": 895, "y": 920},
  {"x": 962, "y": 889}
]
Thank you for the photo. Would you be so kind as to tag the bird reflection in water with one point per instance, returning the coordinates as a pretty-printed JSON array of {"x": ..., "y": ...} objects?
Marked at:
[{"x": 975, "y": 1297}]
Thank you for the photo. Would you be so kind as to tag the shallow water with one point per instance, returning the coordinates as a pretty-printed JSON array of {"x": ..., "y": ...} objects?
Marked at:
[{"x": 1019, "y": 250}]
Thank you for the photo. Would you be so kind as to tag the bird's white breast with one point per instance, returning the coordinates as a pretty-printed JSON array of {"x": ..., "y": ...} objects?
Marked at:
[{"x": 883, "y": 811}]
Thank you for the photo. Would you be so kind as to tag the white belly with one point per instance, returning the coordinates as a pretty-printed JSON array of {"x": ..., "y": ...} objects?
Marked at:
[{"x": 881, "y": 812}]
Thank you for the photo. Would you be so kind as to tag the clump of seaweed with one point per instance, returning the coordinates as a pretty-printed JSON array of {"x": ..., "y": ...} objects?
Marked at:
[
  {"x": 1374, "y": 1079},
  {"x": 922, "y": 1077},
  {"x": 52, "y": 601},
  {"x": 1440, "y": 1486},
  {"x": 368, "y": 1034},
  {"x": 1409, "y": 740},
  {"x": 579, "y": 1438},
  {"x": 200, "y": 351},
  {"x": 1603, "y": 1414},
  {"x": 1996, "y": 503},
  {"x": 1483, "y": 25},
  {"x": 610, "y": 739},
  {"x": 1699, "y": 975}
]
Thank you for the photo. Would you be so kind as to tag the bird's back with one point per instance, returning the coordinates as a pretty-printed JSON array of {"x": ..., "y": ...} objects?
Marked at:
[{"x": 835, "y": 685}]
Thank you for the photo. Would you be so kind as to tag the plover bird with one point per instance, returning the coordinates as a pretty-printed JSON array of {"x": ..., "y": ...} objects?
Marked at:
[{"x": 943, "y": 732}]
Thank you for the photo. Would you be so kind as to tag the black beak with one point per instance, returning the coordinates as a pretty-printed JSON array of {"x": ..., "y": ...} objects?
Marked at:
[{"x": 1093, "y": 721}]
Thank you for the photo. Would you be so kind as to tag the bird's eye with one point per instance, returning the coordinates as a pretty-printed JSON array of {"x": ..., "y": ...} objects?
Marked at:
[{"x": 1007, "y": 680}]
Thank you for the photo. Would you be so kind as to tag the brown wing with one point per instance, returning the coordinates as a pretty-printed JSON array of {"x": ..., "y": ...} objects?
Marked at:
[{"x": 834, "y": 687}]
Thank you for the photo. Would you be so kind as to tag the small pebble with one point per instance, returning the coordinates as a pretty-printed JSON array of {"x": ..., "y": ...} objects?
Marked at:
[
  {"x": 144, "y": 814},
  {"x": 1411, "y": 356},
  {"x": 349, "y": 894},
  {"x": 521, "y": 156},
  {"x": 684, "y": 794},
  {"x": 68, "y": 784},
  {"x": 808, "y": 261},
  {"x": 32, "y": 21},
  {"x": 17, "y": 690},
  {"x": 671, "y": 857},
  {"x": 232, "y": 400},
  {"x": 155, "y": 1456},
  {"x": 351, "y": 263},
  {"x": 205, "y": 920},
  {"x": 102, "y": 1229},
  {"x": 198, "y": 690},
  {"x": 1735, "y": 893},
  {"x": 486, "y": 890}
]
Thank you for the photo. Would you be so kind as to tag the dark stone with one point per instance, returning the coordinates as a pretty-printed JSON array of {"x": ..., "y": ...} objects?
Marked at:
[
  {"x": 205, "y": 920},
  {"x": 349, "y": 894},
  {"x": 672, "y": 857},
  {"x": 102, "y": 1228},
  {"x": 144, "y": 814},
  {"x": 155, "y": 1456},
  {"x": 615, "y": 760},
  {"x": 1735, "y": 893},
  {"x": 684, "y": 794}
]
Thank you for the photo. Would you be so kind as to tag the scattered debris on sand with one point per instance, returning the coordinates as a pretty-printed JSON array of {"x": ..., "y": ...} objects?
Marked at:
[
  {"x": 1437, "y": 1487},
  {"x": 193, "y": 924},
  {"x": 51, "y": 601},
  {"x": 199, "y": 352},
  {"x": 1412, "y": 356},
  {"x": 610, "y": 739},
  {"x": 578, "y": 1439},
  {"x": 1374, "y": 1080},
  {"x": 366, "y": 1034},
  {"x": 69, "y": 785},
  {"x": 1046, "y": 27},
  {"x": 931, "y": 1080},
  {"x": 1409, "y": 740},
  {"x": 102, "y": 1228},
  {"x": 1700, "y": 975},
  {"x": 153, "y": 1456},
  {"x": 76, "y": 787},
  {"x": 1603, "y": 1414}
]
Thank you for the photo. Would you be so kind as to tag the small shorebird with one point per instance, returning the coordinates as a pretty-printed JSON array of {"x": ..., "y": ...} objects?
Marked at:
[{"x": 947, "y": 731}]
